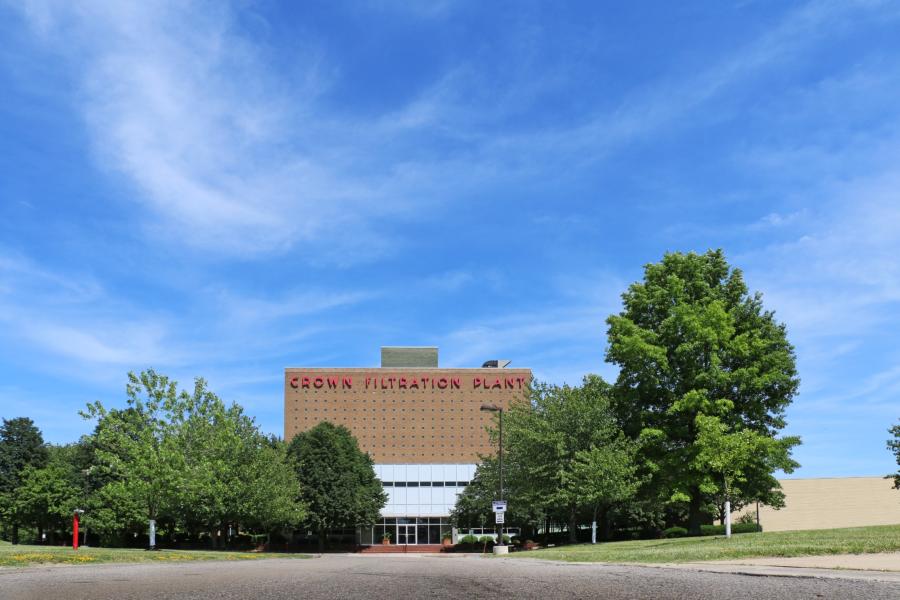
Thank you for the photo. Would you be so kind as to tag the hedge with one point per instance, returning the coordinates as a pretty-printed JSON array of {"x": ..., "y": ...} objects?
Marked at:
[
  {"x": 735, "y": 528},
  {"x": 675, "y": 532}
]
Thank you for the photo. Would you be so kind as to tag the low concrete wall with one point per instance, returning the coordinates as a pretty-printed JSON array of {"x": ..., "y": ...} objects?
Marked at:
[{"x": 830, "y": 503}]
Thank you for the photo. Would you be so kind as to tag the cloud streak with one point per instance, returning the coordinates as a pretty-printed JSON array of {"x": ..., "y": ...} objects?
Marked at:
[{"x": 189, "y": 115}]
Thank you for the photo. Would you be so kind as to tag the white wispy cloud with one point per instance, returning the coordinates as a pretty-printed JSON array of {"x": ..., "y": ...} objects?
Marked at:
[
  {"x": 221, "y": 153},
  {"x": 66, "y": 322},
  {"x": 226, "y": 155},
  {"x": 71, "y": 316}
]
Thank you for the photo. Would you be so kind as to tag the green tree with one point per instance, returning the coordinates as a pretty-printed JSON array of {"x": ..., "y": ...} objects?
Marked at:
[
  {"x": 136, "y": 449},
  {"x": 339, "y": 484},
  {"x": 473, "y": 505},
  {"x": 271, "y": 491},
  {"x": 47, "y": 496},
  {"x": 726, "y": 456},
  {"x": 233, "y": 474},
  {"x": 894, "y": 446},
  {"x": 691, "y": 341},
  {"x": 217, "y": 445},
  {"x": 555, "y": 443},
  {"x": 604, "y": 475},
  {"x": 21, "y": 447},
  {"x": 185, "y": 459}
]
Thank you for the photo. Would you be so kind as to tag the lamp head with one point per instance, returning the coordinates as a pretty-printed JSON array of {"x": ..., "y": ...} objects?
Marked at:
[{"x": 490, "y": 408}]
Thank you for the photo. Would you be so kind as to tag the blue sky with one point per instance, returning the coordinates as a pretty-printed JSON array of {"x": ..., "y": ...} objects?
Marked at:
[{"x": 226, "y": 189}]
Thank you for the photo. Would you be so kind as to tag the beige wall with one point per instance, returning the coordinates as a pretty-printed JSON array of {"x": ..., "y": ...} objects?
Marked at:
[{"x": 831, "y": 503}]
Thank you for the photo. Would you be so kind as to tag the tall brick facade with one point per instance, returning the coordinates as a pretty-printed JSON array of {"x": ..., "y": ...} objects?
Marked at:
[{"x": 403, "y": 415}]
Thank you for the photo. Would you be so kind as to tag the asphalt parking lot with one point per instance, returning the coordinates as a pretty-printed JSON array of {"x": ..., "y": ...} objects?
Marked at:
[{"x": 352, "y": 576}]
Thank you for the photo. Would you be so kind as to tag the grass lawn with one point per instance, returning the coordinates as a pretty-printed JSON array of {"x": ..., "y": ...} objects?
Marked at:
[
  {"x": 854, "y": 540},
  {"x": 20, "y": 556}
]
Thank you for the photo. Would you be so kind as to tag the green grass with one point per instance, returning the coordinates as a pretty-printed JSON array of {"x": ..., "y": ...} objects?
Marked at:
[
  {"x": 20, "y": 555},
  {"x": 854, "y": 540}
]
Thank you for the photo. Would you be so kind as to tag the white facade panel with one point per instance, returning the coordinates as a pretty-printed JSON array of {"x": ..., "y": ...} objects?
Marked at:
[{"x": 423, "y": 501}]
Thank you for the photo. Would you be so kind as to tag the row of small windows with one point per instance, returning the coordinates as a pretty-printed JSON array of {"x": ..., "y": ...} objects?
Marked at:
[
  {"x": 424, "y": 483},
  {"x": 410, "y": 401}
]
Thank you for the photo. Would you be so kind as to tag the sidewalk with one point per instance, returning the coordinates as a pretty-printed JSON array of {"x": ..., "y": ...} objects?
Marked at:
[
  {"x": 871, "y": 567},
  {"x": 887, "y": 561}
]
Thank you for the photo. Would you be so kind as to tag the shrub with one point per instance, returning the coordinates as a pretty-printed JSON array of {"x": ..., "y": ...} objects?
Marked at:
[
  {"x": 675, "y": 532},
  {"x": 468, "y": 539},
  {"x": 746, "y": 528},
  {"x": 735, "y": 528},
  {"x": 556, "y": 538},
  {"x": 747, "y": 517},
  {"x": 506, "y": 539},
  {"x": 485, "y": 539}
]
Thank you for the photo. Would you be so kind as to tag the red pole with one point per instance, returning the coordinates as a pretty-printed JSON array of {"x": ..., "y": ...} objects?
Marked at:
[{"x": 75, "y": 532}]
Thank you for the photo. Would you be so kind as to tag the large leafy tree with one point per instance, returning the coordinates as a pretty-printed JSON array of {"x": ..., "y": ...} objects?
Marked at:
[
  {"x": 185, "y": 459},
  {"x": 233, "y": 474},
  {"x": 566, "y": 452},
  {"x": 21, "y": 447},
  {"x": 136, "y": 447},
  {"x": 270, "y": 494},
  {"x": 339, "y": 484},
  {"x": 48, "y": 495},
  {"x": 894, "y": 446},
  {"x": 604, "y": 475},
  {"x": 692, "y": 341},
  {"x": 473, "y": 505},
  {"x": 726, "y": 457}
]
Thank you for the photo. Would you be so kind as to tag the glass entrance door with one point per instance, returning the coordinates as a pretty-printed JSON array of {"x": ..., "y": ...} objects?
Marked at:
[{"x": 406, "y": 534}]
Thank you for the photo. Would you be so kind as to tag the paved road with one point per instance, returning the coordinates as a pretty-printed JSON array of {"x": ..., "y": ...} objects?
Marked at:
[{"x": 347, "y": 576}]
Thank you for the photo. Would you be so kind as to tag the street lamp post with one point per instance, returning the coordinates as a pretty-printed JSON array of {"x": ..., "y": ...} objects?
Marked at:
[{"x": 497, "y": 409}]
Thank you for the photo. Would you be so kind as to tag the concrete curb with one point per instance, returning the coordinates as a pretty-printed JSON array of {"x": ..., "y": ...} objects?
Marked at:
[{"x": 787, "y": 571}]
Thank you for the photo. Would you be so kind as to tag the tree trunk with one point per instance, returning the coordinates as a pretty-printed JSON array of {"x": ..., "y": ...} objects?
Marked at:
[
  {"x": 15, "y": 533},
  {"x": 694, "y": 511},
  {"x": 573, "y": 525},
  {"x": 323, "y": 537},
  {"x": 604, "y": 525}
]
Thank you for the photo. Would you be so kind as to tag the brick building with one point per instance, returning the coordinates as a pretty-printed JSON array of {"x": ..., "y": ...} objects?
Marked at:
[{"x": 422, "y": 426}]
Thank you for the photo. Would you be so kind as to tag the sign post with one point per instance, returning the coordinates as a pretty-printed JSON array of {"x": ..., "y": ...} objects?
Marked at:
[{"x": 499, "y": 508}]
